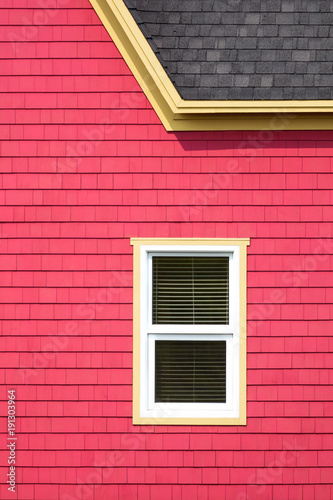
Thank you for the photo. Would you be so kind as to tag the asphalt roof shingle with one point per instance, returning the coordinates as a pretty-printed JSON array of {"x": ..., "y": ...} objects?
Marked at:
[{"x": 242, "y": 49}]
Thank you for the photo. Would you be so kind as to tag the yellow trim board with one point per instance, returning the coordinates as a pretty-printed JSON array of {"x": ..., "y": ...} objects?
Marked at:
[
  {"x": 242, "y": 243},
  {"x": 178, "y": 114}
]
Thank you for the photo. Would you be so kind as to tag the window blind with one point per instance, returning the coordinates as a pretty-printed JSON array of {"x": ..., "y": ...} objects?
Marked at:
[
  {"x": 190, "y": 290},
  {"x": 190, "y": 371}
]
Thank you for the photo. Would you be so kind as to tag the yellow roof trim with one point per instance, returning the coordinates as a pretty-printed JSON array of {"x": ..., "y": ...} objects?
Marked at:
[{"x": 178, "y": 114}]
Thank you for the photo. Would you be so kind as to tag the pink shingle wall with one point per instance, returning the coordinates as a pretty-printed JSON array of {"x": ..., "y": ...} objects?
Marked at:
[{"x": 86, "y": 165}]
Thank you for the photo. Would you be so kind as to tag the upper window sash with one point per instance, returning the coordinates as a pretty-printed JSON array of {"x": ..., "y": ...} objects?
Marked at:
[{"x": 148, "y": 252}]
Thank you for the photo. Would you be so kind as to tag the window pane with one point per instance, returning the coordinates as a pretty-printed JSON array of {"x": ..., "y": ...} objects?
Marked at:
[
  {"x": 190, "y": 371},
  {"x": 191, "y": 290}
]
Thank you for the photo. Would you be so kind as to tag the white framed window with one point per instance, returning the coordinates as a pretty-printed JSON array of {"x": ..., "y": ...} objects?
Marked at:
[{"x": 189, "y": 363}]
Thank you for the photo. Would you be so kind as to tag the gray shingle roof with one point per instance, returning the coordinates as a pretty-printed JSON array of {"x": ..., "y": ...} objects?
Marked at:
[{"x": 242, "y": 49}]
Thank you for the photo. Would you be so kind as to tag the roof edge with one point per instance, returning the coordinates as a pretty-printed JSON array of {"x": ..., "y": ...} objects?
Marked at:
[{"x": 177, "y": 114}]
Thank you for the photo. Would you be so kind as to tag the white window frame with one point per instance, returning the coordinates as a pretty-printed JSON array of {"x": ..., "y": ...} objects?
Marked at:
[{"x": 146, "y": 410}]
